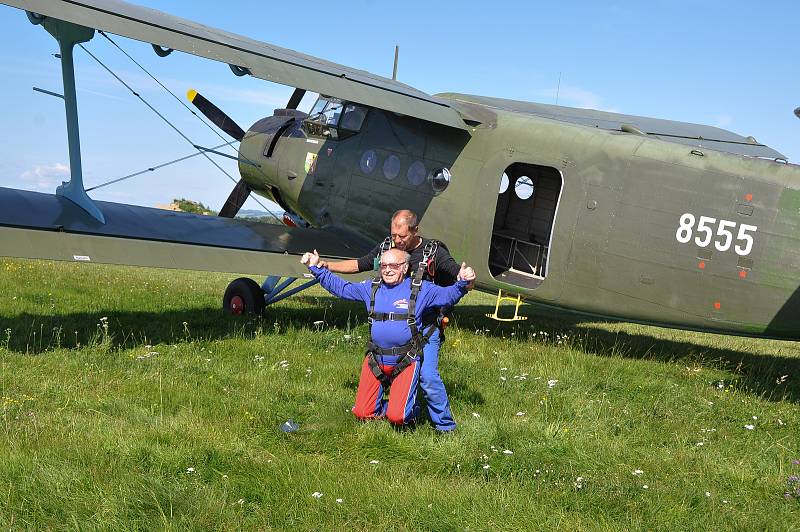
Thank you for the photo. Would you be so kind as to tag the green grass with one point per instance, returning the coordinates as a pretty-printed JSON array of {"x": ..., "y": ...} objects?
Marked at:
[{"x": 131, "y": 401}]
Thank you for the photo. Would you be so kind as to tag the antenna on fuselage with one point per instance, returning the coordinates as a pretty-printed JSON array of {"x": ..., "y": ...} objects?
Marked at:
[{"x": 396, "y": 53}]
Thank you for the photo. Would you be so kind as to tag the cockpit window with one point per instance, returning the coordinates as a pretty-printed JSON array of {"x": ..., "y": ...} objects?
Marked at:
[
  {"x": 326, "y": 111},
  {"x": 318, "y": 108},
  {"x": 331, "y": 114},
  {"x": 335, "y": 119},
  {"x": 353, "y": 117}
]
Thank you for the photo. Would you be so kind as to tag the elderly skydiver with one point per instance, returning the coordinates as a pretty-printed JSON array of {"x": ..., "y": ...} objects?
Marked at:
[
  {"x": 395, "y": 306},
  {"x": 430, "y": 260}
]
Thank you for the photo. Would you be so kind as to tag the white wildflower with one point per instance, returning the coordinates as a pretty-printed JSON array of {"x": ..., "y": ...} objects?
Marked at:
[
  {"x": 750, "y": 427},
  {"x": 508, "y": 451},
  {"x": 637, "y": 472},
  {"x": 520, "y": 413},
  {"x": 475, "y": 414},
  {"x": 190, "y": 470},
  {"x": 486, "y": 466},
  {"x": 374, "y": 462},
  {"x": 316, "y": 495},
  {"x": 552, "y": 382}
]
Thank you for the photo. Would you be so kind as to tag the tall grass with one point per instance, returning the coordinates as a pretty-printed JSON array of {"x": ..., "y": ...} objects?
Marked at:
[{"x": 131, "y": 401}]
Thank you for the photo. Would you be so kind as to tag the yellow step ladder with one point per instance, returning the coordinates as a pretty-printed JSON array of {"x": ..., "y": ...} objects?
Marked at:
[{"x": 517, "y": 300}]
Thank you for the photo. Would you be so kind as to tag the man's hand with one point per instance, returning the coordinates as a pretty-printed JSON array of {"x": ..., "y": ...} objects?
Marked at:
[
  {"x": 311, "y": 258},
  {"x": 466, "y": 273}
]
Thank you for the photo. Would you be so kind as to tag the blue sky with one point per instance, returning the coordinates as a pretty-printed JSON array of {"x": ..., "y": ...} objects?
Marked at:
[{"x": 731, "y": 64}]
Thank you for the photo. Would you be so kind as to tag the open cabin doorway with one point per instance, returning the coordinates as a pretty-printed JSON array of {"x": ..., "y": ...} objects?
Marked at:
[{"x": 523, "y": 224}]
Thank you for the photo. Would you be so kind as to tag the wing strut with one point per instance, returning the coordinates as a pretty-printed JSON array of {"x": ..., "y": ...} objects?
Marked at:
[{"x": 68, "y": 35}]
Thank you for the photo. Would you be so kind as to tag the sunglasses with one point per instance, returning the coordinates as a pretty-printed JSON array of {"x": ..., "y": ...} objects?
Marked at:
[{"x": 391, "y": 265}]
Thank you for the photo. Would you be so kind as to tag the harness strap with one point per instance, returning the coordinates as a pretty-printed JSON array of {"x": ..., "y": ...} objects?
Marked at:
[
  {"x": 399, "y": 367},
  {"x": 391, "y": 351},
  {"x": 413, "y": 349},
  {"x": 389, "y": 316}
]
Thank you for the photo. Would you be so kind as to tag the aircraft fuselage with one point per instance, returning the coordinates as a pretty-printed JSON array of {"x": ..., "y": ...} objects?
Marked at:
[{"x": 633, "y": 228}]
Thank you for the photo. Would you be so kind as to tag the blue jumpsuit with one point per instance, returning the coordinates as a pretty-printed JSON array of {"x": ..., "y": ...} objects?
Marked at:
[
  {"x": 394, "y": 334},
  {"x": 446, "y": 272}
]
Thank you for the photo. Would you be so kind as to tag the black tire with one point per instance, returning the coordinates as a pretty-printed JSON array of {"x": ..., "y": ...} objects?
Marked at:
[{"x": 243, "y": 296}]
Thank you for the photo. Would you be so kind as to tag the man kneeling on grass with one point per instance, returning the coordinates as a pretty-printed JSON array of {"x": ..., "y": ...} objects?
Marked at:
[{"x": 394, "y": 350}]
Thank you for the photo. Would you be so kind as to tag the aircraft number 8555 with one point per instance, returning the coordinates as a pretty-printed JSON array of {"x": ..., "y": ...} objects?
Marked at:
[{"x": 724, "y": 230}]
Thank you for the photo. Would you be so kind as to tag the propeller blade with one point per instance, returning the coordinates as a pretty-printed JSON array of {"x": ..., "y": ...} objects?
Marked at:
[
  {"x": 238, "y": 196},
  {"x": 294, "y": 101},
  {"x": 215, "y": 114}
]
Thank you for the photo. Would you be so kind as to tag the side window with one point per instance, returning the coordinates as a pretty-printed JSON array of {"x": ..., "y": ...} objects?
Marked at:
[{"x": 353, "y": 117}]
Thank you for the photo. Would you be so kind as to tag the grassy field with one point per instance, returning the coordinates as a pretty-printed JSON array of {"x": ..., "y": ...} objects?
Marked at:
[{"x": 131, "y": 401}]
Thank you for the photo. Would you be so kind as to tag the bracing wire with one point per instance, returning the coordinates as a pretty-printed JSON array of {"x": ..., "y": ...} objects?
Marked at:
[
  {"x": 177, "y": 98},
  {"x": 175, "y": 128},
  {"x": 154, "y": 168}
]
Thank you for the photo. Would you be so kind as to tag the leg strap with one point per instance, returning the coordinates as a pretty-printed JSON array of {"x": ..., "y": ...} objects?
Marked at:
[{"x": 402, "y": 363}]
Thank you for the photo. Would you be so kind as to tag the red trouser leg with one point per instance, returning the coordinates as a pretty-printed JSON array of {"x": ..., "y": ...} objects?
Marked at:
[
  {"x": 402, "y": 407},
  {"x": 403, "y": 397},
  {"x": 369, "y": 398}
]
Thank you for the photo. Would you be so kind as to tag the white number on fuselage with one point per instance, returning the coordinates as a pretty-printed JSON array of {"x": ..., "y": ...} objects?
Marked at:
[{"x": 724, "y": 232}]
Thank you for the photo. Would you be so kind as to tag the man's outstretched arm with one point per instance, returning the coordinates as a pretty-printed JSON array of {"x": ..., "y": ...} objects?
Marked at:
[
  {"x": 361, "y": 264},
  {"x": 333, "y": 284},
  {"x": 341, "y": 266}
]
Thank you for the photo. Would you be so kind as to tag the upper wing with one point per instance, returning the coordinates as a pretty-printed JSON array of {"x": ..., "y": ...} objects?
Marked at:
[
  {"x": 263, "y": 60},
  {"x": 46, "y": 226}
]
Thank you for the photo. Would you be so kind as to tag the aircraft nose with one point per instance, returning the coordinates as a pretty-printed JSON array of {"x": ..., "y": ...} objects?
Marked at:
[{"x": 259, "y": 143}]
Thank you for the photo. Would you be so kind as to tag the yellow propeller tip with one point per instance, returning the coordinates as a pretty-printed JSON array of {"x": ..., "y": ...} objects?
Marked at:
[{"x": 191, "y": 94}]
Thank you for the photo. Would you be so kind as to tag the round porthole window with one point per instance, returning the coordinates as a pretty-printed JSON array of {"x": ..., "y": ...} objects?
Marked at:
[
  {"x": 391, "y": 167},
  {"x": 503, "y": 183},
  {"x": 416, "y": 174},
  {"x": 523, "y": 187},
  {"x": 440, "y": 179},
  {"x": 368, "y": 162}
]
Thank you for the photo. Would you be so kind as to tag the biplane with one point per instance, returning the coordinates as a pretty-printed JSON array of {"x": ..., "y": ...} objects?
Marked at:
[{"x": 641, "y": 219}]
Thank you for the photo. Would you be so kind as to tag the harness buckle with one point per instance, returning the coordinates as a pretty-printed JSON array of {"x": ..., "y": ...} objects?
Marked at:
[
  {"x": 411, "y": 321},
  {"x": 391, "y": 316}
]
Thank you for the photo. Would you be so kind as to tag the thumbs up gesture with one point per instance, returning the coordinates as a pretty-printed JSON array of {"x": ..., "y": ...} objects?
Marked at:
[
  {"x": 466, "y": 273},
  {"x": 310, "y": 258}
]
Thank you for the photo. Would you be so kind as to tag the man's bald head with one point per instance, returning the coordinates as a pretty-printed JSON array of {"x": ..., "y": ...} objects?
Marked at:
[
  {"x": 395, "y": 255},
  {"x": 405, "y": 217}
]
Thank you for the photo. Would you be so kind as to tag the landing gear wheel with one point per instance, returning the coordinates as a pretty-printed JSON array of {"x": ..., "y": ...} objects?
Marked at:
[{"x": 243, "y": 296}]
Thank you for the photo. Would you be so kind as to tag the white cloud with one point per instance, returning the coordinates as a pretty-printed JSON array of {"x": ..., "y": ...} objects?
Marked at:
[
  {"x": 577, "y": 97},
  {"x": 46, "y": 176},
  {"x": 723, "y": 121}
]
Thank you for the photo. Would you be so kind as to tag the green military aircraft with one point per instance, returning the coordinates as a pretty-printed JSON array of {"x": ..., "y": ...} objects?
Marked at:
[{"x": 640, "y": 219}]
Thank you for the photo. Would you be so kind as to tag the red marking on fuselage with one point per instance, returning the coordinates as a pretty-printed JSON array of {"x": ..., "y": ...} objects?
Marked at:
[
  {"x": 742, "y": 273},
  {"x": 717, "y": 305},
  {"x": 748, "y": 197},
  {"x": 702, "y": 265}
]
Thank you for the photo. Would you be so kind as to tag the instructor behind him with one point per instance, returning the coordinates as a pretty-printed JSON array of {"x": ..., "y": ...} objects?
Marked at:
[{"x": 441, "y": 269}]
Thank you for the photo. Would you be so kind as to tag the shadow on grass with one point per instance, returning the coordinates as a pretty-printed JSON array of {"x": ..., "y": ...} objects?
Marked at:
[{"x": 757, "y": 373}]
